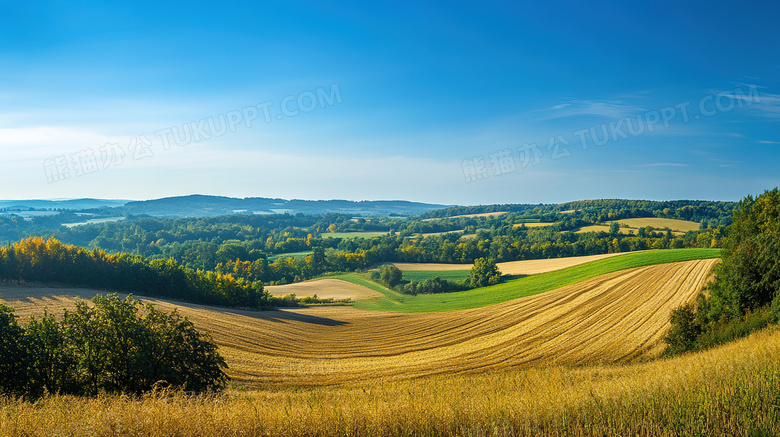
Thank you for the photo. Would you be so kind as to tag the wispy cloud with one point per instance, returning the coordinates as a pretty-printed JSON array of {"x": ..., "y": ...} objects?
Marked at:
[
  {"x": 759, "y": 102},
  {"x": 768, "y": 142},
  {"x": 598, "y": 108}
]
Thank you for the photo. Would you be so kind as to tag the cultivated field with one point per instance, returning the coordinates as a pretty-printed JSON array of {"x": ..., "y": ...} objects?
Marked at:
[
  {"x": 731, "y": 390},
  {"x": 678, "y": 227},
  {"x": 604, "y": 228},
  {"x": 324, "y": 288},
  {"x": 611, "y": 318},
  {"x": 533, "y": 225},
  {"x": 535, "y": 266},
  {"x": 661, "y": 223},
  {"x": 529, "y": 267}
]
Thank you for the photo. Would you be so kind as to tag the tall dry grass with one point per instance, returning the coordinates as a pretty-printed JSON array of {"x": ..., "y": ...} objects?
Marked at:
[{"x": 731, "y": 390}]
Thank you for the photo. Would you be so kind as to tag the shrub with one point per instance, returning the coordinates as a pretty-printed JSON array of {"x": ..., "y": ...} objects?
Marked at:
[{"x": 120, "y": 346}]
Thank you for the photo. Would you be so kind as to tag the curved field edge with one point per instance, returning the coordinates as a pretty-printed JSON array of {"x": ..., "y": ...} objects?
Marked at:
[{"x": 521, "y": 287}]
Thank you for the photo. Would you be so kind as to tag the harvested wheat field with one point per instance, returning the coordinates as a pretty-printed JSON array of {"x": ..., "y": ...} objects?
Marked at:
[
  {"x": 535, "y": 266},
  {"x": 661, "y": 223},
  {"x": 532, "y": 225},
  {"x": 610, "y": 318},
  {"x": 324, "y": 288},
  {"x": 529, "y": 267},
  {"x": 604, "y": 228}
]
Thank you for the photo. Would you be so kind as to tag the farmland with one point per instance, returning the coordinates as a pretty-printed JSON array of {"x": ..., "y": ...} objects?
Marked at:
[
  {"x": 730, "y": 390},
  {"x": 459, "y": 272},
  {"x": 603, "y": 228},
  {"x": 533, "y": 225},
  {"x": 421, "y": 275},
  {"x": 631, "y": 226},
  {"x": 528, "y": 267},
  {"x": 530, "y": 285},
  {"x": 608, "y": 318},
  {"x": 324, "y": 288},
  {"x": 302, "y": 254},
  {"x": 660, "y": 223},
  {"x": 503, "y": 369}
]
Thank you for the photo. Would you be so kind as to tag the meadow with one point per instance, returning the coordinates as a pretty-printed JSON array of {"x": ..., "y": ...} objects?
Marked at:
[
  {"x": 421, "y": 275},
  {"x": 302, "y": 254}
]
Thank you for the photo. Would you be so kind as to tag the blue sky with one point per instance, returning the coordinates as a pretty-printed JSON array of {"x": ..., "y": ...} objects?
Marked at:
[{"x": 457, "y": 103}]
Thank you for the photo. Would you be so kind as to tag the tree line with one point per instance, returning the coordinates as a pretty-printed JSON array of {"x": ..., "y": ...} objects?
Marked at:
[
  {"x": 36, "y": 260},
  {"x": 484, "y": 272},
  {"x": 745, "y": 294}
]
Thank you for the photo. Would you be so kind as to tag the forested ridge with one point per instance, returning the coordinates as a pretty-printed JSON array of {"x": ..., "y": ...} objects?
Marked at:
[
  {"x": 49, "y": 261},
  {"x": 284, "y": 248}
]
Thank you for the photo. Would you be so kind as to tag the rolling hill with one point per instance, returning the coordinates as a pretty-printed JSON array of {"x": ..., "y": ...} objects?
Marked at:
[{"x": 610, "y": 318}]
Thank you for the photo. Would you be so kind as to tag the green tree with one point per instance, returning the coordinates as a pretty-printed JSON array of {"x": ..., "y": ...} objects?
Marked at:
[
  {"x": 747, "y": 279},
  {"x": 390, "y": 275},
  {"x": 13, "y": 353},
  {"x": 52, "y": 366},
  {"x": 686, "y": 328},
  {"x": 485, "y": 272},
  {"x": 749, "y": 276},
  {"x": 117, "y": 349}
]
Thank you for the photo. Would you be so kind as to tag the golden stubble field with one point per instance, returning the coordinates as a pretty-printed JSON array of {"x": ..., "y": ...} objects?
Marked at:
[
  {"x": 527, "y": 267},
  {"x": 324, "y": 288},
  {"x": 613, "y": 318}
]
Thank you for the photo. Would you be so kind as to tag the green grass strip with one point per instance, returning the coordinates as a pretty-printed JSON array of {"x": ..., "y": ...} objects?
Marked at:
[
  {"x": 526, "y": 286},
  {"x": 303, "y": 254},
  {"x": 450, "y": 275},
  {"x": 391, "y": 297}
]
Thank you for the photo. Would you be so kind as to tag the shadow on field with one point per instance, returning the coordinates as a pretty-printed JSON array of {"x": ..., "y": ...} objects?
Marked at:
[
  {"x": 278, "y": 316},
  {"x": 511, "y": 277},
  {"x": 31, "y": 294},
  {"x": 281, "y": 316}
]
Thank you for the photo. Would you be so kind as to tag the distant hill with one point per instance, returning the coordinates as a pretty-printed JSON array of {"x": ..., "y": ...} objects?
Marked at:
[
  {"x": 206, "y": 206},
  {"x": 67, "y": 204}
]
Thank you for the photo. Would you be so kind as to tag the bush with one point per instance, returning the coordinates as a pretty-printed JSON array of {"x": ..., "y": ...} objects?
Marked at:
[
  {"x": 13, "y": 352},
  {"x": 119, "y": 346},
  {"x": 484, "y": 273},
  {"x": 685, "y": 329},
  {"x": 390, "y": 275}
]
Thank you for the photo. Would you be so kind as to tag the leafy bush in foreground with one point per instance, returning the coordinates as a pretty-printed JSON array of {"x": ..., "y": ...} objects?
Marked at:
[{"x": 119, "y": 346}]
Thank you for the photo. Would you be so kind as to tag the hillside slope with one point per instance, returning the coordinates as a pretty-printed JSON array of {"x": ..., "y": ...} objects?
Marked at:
[{"x": 610, "y": 318}]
